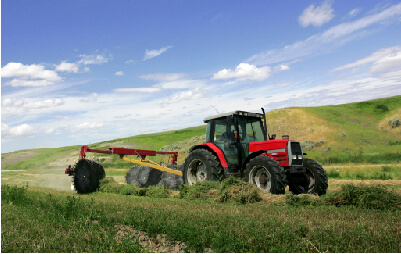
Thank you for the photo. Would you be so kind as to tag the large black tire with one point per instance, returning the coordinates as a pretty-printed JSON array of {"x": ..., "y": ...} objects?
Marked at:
[
  {"x": 202, "y": 165},
  {"x": 266, "y": 174},
  {"x": 170, "y": 180},
  {"x": 87, "y": 174},
  {"x": 314, "y": 181},
  {"x": 132, "y": 176},
  {"x": 148, "y": 176}
]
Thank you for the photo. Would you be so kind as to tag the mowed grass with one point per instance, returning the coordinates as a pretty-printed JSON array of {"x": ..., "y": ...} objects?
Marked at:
[{"x": 40, "y": 220}]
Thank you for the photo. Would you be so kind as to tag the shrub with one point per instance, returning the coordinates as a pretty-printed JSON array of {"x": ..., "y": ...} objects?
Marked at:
[
  {"x": 202, "y": 190},
  {"x": 370, "y": 197},
  {"x": 394, "y": 123},
  {"x": 310, "y": 145},
  {"x": 236, "y": 190},
  {"x": 381, "y": 108},
  {"x": 14, "y": 194},
  {"x": 300, "y": 200},
  {"x": 108, "y": 185},
  {"x": 157, "y": 192}
]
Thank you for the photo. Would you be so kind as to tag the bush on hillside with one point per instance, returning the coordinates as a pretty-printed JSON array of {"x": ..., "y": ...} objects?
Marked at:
[
  {"x": 310, "y": 145},
  {"x": 394, "y": 123},
  {"x": 381, "y": 108}
]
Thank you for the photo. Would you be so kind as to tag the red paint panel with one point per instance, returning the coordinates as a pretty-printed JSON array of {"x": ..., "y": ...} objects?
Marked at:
[
  {"x": 128, "y": 151},
  {"x": 267, "y": 145},
  {"x": 219, "y": 153}
]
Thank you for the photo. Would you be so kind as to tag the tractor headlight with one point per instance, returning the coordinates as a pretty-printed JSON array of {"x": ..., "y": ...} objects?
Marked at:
[
  {"x": 299, "y": 157},
  {"x": 294, "y": 157}
]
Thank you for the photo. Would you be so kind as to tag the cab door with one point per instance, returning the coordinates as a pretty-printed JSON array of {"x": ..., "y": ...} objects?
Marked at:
[{"x": 224, "y": 138}]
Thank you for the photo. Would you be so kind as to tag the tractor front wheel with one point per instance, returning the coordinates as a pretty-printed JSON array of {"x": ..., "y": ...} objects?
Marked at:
[
  {"x": 201, "y": 165},
  {"x": 314, "y": 181},
  {"x": 266, "y": 174}
]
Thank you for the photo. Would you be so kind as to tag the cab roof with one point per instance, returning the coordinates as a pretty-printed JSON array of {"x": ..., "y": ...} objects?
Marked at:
[{"x": 232, "y": 113}]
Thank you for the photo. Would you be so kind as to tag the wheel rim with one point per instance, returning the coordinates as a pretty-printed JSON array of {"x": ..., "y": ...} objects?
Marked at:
[
  {"x": 261, "y": 177},
  {"x": 196, "y": 172}
]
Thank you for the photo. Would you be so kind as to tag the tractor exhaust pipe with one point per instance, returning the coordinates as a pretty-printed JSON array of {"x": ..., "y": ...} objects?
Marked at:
[{"x": 265, "y": 125}]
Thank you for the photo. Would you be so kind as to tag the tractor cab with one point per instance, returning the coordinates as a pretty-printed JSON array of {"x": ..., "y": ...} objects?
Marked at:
[{"x": 232, "y": 132}]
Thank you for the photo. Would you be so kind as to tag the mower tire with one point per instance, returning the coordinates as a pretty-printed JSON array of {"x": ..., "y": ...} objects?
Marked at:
[
  {"x": 202, "y": 165},
  {"x": 266, "y": 174},
  {"x": 314, "y": 181},
  {"x": 132, "y": 176},
  {"x": 148, "y": 176},
  {"x": 87, "y": 174},
  {"x": 170, "y": 180}
]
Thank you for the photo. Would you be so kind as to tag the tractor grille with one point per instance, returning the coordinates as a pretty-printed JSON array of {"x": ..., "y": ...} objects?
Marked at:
[{"x": 295, "y": 153}]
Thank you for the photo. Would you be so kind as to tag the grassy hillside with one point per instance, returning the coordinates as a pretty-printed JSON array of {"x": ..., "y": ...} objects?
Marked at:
[{"x": 349, "y": 133}]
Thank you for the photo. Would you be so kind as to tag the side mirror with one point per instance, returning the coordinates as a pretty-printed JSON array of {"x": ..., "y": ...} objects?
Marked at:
[{"x": 273, "y": 137}]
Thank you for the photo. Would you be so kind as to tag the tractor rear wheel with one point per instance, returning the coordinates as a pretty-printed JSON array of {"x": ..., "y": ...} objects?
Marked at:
[
  {"x": 201, "y": 165},
  {"x": 87, "y": 174},
  {"x": 266, "y": 174},
  {"x": 314, "y": 181}
]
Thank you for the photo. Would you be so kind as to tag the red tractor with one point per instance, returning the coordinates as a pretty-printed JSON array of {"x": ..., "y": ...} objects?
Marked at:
[{"x": 237, "y": 144}]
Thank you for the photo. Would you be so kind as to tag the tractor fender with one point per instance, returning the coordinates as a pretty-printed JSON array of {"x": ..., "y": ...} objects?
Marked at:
[
  {"x": 214, "y": 149},
  {"x": 251, "y": 156}
]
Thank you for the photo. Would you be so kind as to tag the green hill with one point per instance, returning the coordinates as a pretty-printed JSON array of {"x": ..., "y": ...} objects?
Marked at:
[{"x": 359, "y": 132}]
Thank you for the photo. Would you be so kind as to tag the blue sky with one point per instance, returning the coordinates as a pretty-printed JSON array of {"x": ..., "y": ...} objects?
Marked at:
[{"x": 79, "y": 72}]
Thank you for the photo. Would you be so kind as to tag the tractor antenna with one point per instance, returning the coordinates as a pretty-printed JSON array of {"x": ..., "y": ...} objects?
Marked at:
[{"x": 215, "y": 109}]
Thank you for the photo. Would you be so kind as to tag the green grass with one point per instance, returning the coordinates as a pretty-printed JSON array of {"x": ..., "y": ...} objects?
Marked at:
[
  {"x": 359, "y": 172},
  {"x": 359, "y": 139},
  {"x": 38, "y": 220}
]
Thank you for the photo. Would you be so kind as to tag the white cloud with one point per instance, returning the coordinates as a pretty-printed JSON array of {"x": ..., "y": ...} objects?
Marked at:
[
  {"x": 67, "y": 67},
  {"x": 139, "y": 90},
  {"x": 30, "y": 103},
  {"x": 282, "y": 67},
  {"x": 330, "y": 38},
  {"x": 386, "y": 62},
  {"x": 29, "y": 83},
  {"x": 181, "y": 84},
  {"x": 354, "y": 12},
  {"x": 187, "y": 95},
  {"x": 155, "y": 52},
  {"x": 33, "y": 75},
  {"x": 119, "y": 73},
  {"x": 244, "y": 72},
  {"x": 93, "y": 59},
  {"x": 43, "y": 104},
  {"x": 20, "y": 130},
  {"x": 92, "y": 98},
  {"x": 89, "y": 126},
  {"x": 163, "y": 76},
  {"x": 316, "y": 16}
]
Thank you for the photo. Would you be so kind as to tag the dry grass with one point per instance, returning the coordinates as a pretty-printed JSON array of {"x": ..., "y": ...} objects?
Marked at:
[
  {"x": 17, "y": 156},
  {"x": 299, "y": 124}
]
